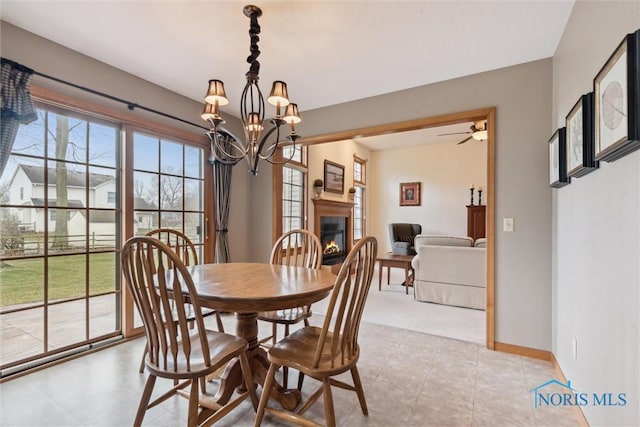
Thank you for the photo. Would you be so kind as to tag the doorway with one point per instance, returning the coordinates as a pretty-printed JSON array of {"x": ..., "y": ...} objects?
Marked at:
[{"x": 487, "y": 114}]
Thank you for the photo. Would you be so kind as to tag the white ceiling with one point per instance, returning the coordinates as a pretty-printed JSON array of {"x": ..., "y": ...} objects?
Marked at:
[
  {"x": 418, "y": 137},
  {"x": 328, "y": 52}
]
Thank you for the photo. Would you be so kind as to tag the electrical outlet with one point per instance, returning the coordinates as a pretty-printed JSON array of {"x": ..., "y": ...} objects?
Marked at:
[
  {"x": 507, "y": 225},
  {"x": 574, "y": 348}
]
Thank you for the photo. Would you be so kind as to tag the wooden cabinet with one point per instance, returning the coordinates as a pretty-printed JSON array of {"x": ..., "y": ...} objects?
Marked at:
[{"x": 476, "y": 218}]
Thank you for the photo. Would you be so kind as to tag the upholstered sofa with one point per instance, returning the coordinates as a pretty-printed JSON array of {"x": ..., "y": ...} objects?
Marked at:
[
  {"x": 402, "y": 237},
  {"x": 450, "y": 270}
]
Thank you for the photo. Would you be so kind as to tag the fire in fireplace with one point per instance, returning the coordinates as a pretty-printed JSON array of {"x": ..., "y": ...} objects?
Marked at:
[{"x": 332, "y": 236}]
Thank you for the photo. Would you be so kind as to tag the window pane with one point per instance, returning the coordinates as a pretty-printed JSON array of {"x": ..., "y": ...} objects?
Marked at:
[
  {"x": 67, "y": 138},
  {"x": 145, "y": 191},
  {"x": 67, "y": 230},
  {"x": 193, "y": 193},
  {"x": 102, "y": 188},
  {"x": 145, "y": 152},
  {"x": 171, "y": 158},
  {"x": 22, "y": 334},
  {"x": 66, "y": 323},
  {"x": 102, "y": 230},
  {"x": 101, "y": 320},
  {"x": 67, "y": 186},
  {"x": 102, "y": 144},
  {"x": 30, "y": 139},
  {"x": 102, "y": 272},
  {"x": 194, "y": 227},
  {"x": 193, "y": 162},
  {"x": 143, "y": 222},
  {"x": 21, "y": 282},
  {"x": 171, "y": 220},
  {"x": 170, "y": 192},
  {"x": 67, "y": 277}
]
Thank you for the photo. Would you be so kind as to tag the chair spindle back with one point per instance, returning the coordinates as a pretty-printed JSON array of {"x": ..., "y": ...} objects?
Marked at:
[
  {"x": 346, "y": 305},
  {"x": 156, "y": 277},
  {"x": 179, "y": 242},
  {"x": 299, "y": 248}
]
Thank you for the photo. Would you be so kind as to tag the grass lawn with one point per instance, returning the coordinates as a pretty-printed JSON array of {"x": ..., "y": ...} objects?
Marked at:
[{"x": 22, "y": 281}]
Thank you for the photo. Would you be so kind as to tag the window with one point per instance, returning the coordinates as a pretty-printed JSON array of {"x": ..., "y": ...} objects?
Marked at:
[
  {"x": 290, "y": 196},
  {"x": 293, "y": 184},
  {"x": 111, "y": 197},
  {"x": 359, "y": 180},
  {"x": 21, "y": 193}
]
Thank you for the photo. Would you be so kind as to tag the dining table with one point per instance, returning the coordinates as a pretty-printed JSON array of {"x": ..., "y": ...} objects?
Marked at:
[{"x": 247, "y": 289}]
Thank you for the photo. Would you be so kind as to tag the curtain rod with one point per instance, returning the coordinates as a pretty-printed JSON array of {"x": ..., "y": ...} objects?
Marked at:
[{"x": 129, "y": 104}]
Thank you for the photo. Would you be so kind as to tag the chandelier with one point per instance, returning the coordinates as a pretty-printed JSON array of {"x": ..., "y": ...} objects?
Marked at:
[{"x": 252, "y": 112}]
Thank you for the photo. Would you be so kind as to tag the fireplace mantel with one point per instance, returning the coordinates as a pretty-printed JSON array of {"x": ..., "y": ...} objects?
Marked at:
[{"x": 325, "y": 207}]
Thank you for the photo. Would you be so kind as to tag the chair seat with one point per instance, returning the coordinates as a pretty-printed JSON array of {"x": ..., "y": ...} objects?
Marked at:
[
  {"x": 223, "y": 347},
  {"x": 288, "y": 316},
  {"x": 298, "y": 349}
]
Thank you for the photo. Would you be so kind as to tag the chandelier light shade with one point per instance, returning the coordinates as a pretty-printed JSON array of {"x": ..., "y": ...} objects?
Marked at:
[{"x": 252, "y": 113}]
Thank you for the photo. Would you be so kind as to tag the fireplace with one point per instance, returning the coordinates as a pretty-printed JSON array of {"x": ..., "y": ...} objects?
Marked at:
[
  {"x": 333, "y": 223},
  {"x": 333, "y": 232}
]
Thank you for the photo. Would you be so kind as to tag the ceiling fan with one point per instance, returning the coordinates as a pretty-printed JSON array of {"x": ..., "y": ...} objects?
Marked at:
[{"x": 478, "y": 132}]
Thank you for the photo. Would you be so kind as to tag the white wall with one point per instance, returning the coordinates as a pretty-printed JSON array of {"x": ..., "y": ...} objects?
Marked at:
[
  {"x": 445, "y": 171},
  {"x": 596, "y": 221}
]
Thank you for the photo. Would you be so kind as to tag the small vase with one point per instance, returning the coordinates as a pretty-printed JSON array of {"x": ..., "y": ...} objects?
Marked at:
[{"x": 318, "y": 191}]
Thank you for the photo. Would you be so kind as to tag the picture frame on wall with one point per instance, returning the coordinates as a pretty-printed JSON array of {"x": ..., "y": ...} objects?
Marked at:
[
  {"x": 333, "y": 177},
  {"x": 557, "y": 159},
  {"x": 580, "y": 145},
  {"x": 616, "y": 90},
  {"x": 410, "y": 194}
]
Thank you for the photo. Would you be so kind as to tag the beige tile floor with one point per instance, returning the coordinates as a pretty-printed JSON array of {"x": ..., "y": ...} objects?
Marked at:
[{"x": 410, "y": 379}]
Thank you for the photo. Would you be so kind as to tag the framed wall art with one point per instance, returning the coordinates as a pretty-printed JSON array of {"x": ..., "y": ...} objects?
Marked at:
[
  {"x": 410, "y": 194},
  {"x": 557, "y": 159},
  {"x": 580, "y": 149},
  {"x": 333, "y": 177},
  {"x": 617, "y": 101}
]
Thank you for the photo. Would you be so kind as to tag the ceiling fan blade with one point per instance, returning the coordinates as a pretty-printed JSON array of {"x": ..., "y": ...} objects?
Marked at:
[
  {"x": 464, "y": 140},
  {"x": 455, "y": 133}
]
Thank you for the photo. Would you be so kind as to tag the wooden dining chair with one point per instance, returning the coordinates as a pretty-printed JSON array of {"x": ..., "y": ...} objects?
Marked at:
[
  {"x": 186, "y": 251},
  {"x": 323, "y": 353},
  {"x": 155, "y": 276},
  {"x": 299, "y": 248}
]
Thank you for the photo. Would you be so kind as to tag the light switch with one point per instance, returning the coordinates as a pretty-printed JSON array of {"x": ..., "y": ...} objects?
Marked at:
[{"x": 507, "y": 225}]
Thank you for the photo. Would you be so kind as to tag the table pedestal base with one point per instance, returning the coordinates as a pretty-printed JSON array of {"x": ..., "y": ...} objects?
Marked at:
[{"x": 231, "y": 377}]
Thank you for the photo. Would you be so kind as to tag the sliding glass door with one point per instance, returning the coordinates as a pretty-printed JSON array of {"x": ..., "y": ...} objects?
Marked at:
[{"x": 59, "y": 222}]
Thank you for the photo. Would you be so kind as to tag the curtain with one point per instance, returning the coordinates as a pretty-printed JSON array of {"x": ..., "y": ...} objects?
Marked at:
[
  {"x": 222, "y": 185},
  {"x": 17, "y": 105}
]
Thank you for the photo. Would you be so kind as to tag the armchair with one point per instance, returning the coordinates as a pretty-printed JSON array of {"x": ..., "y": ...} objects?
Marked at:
[{"x": 402, "y": 236}]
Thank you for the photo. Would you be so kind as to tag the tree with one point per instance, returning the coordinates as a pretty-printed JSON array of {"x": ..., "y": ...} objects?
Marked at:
[{"x": 61, "y": 234}]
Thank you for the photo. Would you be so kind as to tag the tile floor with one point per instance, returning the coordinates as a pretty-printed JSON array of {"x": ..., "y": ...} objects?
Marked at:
[{"x": 410, "y": 379}]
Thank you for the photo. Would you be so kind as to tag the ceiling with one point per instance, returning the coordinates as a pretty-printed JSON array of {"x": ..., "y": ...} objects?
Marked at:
[
  {"x": 328, "y": 52},
  {"x": 417, "y": 137}
]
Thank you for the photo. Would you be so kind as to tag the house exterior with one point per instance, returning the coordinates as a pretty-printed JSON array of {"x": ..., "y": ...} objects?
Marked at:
[{"x": 28, "y": 187}]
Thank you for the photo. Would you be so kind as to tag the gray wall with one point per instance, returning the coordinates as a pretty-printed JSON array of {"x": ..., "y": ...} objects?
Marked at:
[
  {"x": 55, "y": 60},
  {"x": 522, "y": 96},
  {"x": 596, "y": 239}
]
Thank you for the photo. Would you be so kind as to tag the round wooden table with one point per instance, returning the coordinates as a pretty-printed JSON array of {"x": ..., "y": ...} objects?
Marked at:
[{"x": 249, "y": 288}]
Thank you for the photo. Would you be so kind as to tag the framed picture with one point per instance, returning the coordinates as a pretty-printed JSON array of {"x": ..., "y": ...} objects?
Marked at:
[
  {"x": 333, "y": 177},
  {"x": 580, "y": 151},
  {"x": 410, "y": 194},
  {"x": 557, "y": 159},
  {"x": 617, "y": 101}
]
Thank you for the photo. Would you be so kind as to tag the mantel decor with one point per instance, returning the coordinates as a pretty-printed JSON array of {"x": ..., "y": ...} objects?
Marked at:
[
  {"x": 557, "y": 159},
  {"x": 616, "y": 91},
  {"x": 333, "y": 177},
  {"x": 252, "y": 110},
  {"x": 580, "y": 150},
  {"x": 410, "y": 194}
]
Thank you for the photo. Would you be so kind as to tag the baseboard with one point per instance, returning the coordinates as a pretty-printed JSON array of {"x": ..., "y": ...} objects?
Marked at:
[
  {"x": 582, "y": 420},
  {"x": 523, "y": 351}
]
